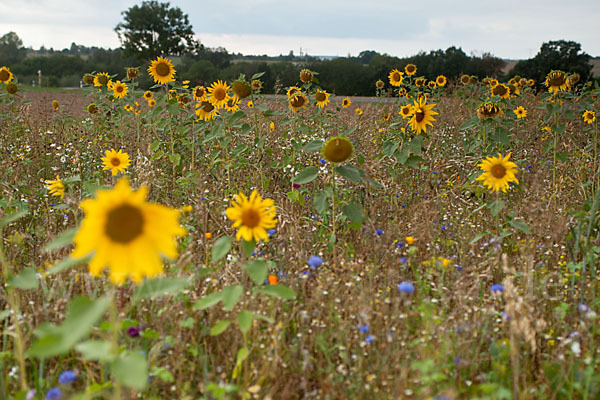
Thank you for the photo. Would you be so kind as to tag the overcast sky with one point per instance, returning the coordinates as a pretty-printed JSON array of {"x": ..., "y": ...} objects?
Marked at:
[{"x": 509, "y": 29}]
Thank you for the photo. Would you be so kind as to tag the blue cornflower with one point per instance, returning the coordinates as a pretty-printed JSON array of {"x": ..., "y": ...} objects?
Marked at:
[
  {"x": 406, "y": 287},
  {"x": 271, "y": 231},
  {"x": 323, "y": 161},
  {"x": 364, "y": 328},
  {"x": 54, "y": 394},
  {"x": 497, "y": 287},
  {"x": 379, "y": 232},
  {"x": 402, "y": 260},
  {"x": 369, "y": 339},
  {"x": 314, "y": 261},
  {"x": 67, "y": 377}
]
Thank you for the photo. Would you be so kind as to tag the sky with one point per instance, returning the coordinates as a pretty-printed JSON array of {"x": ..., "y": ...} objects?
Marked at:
[{"x": 508, "y": 29}]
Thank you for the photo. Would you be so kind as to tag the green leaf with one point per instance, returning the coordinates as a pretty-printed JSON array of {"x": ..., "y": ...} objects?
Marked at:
[
  {"x": 27, "y": 279},
  {"x": 257, "y": 270},
  {"x": 131, "y": 369},
  {"x": 402, "y": 156},
  {"x": 519, "y": 224},
  {"x": 152, "y": 288},
  {"x": 413, "y": 161},
  {"x": 257, "y": 75},
  {"x": 242, "y": 354},
  {"x": 496, "y": 206},
  {"x": 95, "y": 350},
  {"x": 415, "y": 145},
  {"x": 65, "y": 238},
  {"x": 221, "y": 248},
  {"x": 390, "y": 146},
  {"x": 219, "y": 328},
  {"x": 12, "y": 217},
  {"x": 280, "y": 291},
  {"x": 231, "y": 295},
  {"x": 208, "y": 301},
  {"x": 313, "y": 145},
  {"x": 353, "y": 211},
  {"x": 470, "y": 123},
  {"x": 248, "y": 247},
  {"x": 69, "y": 262},
  {"x": 308, "y": 174},
  {"x": 244, "y": 319},
  {"x": 321, "y": 201},
  {"x": 349, "y": 172},
  {"x": 477, "y": 237}
]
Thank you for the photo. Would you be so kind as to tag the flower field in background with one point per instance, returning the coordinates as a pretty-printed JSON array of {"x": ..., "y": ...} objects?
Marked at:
[{"x": 200, "y": 240}]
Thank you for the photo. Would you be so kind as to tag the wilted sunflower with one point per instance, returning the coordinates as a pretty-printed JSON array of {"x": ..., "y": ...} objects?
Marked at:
[
  {"x": 92, "y": 108},
  {"x": 55, "y": 105},
  {"x": 241, "y": 88},
  {"x": 501, "y": 90},
  {"x": 119, "y": 89},
  {"x": 199, "y": 93},
  {"x": 132, "y": 73},
  {"x": 11, "y": 88},
  {"x": 205, "y": 111},
  {"x": 498, "y": 172},
  {"x": 488, "y": 110},
  {"x": 88, "y": 79},
  {"x": 298, "y": 101},
  {"x": 337, "y": 149},
  {"x": 574, "y": 79},
  {"x": 101, "y": 79},
  {"x": 346, "y": 102},
  {"x": 55, "y": 187},
  {"x": 431, "y": 85},
  {"x": 523, "y": 82},
  {"x": 256, "y": 85},
  {"x": 233, "y": 103},
  {"x": 306, "y": 75},
  {"x": 358, "y": 111},
  {"x": 406, "y": 111},
  {"x": 520, "y": 112},
  {"x": 410, "y": 69},
  {"x": 148, "y": 95},
  {"x": 420, "y": 82},
  {"x": 218, "y": 93},
  {"x": 465, "y": 79},
  {"x": 162, "y": 71},
  {"x": 589, "y": 116},
  {"x": 513, "y": 90},
  {"x": 530, "y": 82},
  {"x": 473, "y": 80},
  {"x": 422, "y": 115},
  {"x": 441, "y": 80},
  {"x": 252, "y": 216},
  {"x": 292, "y": 91},
  {"x": 127, "y": 234},
  {"x": 5, "y": 75},
  {"x": 116, "y": 161},
  {"x": 379, "y": 84},
  {"x": 322, "y": 98},
  {"x": 395, "y": 77},
  {"x": 557, "y": 81}
]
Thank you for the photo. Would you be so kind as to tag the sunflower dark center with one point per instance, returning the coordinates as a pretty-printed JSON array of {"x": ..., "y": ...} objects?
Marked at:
[
  {"x": 120, "y": 89},
  {"x": 320, "y": 96},
  {"x": 207, "y": 107},
  {"x": 419, "y": 116},
  {"x": 498, "y": 171},
  {"x": 162, "y": 69},
  {"x": 500, "y": 90},
  {"x": 102, "y": 79},
  {"x": 410, "y": 68},
  {"x": 250, "y": 218},
  {"x": 199, "y": 92},
  {"x": 115, "y": 161},
  {"x": 124, "y": 223},
  {"x": 297, "y": 101},
  {"x": 557, "y": 79},
  {"x": 219, "y": 94},
  {"x": 4, "y": 75},
  {"x": 396, "y": 77}
]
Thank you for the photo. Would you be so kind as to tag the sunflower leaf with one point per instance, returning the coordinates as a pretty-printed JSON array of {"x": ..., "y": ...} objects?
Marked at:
[
  {"x": 231, "y": 295},
  {"x": 257, "y": 270},
  {"x": 219, "y": 328},
  {"x": 313, "y": 145},
  {"x": 353, "y": 211},
  {"x": 307, "y": 175},
  {"x": 280, "y": 291},
  {"x": 131, "y": 368},
  {"x": 349, "y": 172},
  {"x": 65, "y": 238},
  {"x": 12, "y": 217},
  {"x": 221, "y": 248},
  {"x": 152, "y": 288},
  {"x": 27, "y": 279},
  {"x": 244, "y": 319}
]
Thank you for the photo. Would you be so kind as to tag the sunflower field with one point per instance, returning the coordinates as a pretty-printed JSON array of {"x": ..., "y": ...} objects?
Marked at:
[{"x": 191, "y": 242}]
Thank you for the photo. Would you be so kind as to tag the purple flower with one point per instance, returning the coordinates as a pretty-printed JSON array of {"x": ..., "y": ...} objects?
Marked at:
[
  {"x": 54, "y": 394},
  {"x": 296, "y": 186},
  {"x": 314, "y": 261},
  {"x": 497, "y": 287},
  {"x": 67, "y": 377},
  {"x": 406, "y": 287},
  {"x": 134, "y": 331}
]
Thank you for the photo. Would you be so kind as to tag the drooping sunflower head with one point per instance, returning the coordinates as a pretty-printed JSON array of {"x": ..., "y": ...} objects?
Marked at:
[
  {"x": 291, "y": 92},
  {"x": 148, "y": 95},
  {"x": 441, "y": 80},
  {"x": 256, "y": 85},
  {"x": 205, "y": 110},
  {"x": 218, "y": 93},
  {"x": 422, "y": 115},
  {"x": 252, "y": 216},
  {"x": 346, "y": 102},
  {"x": 557, "y": 81},
  {"x": 379, "y": 84},
  {"x": 55, "y": 105},
  {"x": 306, "y": 75},
  {"x": 513, "y": 90},
  {"x": 465, "y": 79},
  {"x": 162, "y": 71},
  {"x": 119, "y": 89},
  {"x": 406, "y": 111},
  {"x": 420, "y": 82},
  {"x": 298, "y": 101},
  {"x": 132, "y": 73},
  {"x": 501, "y": 90},
  {"x": 337, "y": 149},
  {"x": 498, "y": 172},
  {"x": 574, "y": 79},
  {"x": 589, "y": 116},
  {"x": 322, "y": 98},
  {"x": 11, "y": 88},
  {"x": 520, "y": 112},
  {"x": 199, "y": 93},
  {"x": 395, "y": 77},
  {"x": 431, "y": 85},
  {"x": 5, "y": 75},
  {"x": 88, "y": 79},
  {"x": 116, "y": 161},
  {"x": 410, "y": 69},
  {"x": 241, "y": 88},
  {"x": 101, "y": 79},
  {"x": 530, "y": 82},
  {"x": 523, "y": 82},
  {"x": 473, "y": 80},
  {"x": 488, "y": 109}
]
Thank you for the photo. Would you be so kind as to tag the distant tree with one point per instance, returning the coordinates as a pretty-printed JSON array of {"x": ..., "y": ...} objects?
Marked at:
[
  {"x": 562, "y": 55},
  {"x": 365, "y": 56},
  {"x": 155, "y": 29},
  {"x": 11, "y": 49}
]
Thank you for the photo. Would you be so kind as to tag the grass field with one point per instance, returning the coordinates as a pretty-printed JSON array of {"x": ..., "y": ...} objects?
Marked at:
[{"x": 390, "y": 271}]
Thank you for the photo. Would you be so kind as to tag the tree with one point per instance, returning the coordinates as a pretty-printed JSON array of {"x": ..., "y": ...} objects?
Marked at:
[
  {"x": 11, "y": 49},
  {"x": 155, "y": 29},
  {"x": 561, "y": 54}
]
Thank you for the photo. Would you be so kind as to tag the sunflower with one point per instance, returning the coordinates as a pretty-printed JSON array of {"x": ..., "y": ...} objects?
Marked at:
[
  {"x": 132, "y": 73},
  {"x": 172, "y": 94},
  {"x": 56, "y": 187},
  {"x": 386, "y": 117},
  {"x": 346, "y": 102},
  {"x": 488, "y": 110},
  {"x": 148, "y": 95},
  {"x": 11, "y": 88},
  {"x": 419, "y": 82},
  {"x": 292, "y": 91},
  {"x": 337, "y": 149},
  {"x": 55, "y": 105},
  {"x": 520, "y": 112},
  {"x": 523, "y": 82},
  {"x": 116, "y": 161},
  {"x": 358, "y": 111},
  {"x": 233, "y": 103},
  {"x": 513, "y": 90},
  {"x": 253, "y": 216},
  {"x": 119, "y": 89},
  {"x": 493, "y": 82},
  {"x": 306, "y": 75},
  {"x": 241, "y": 88},
  {"x": 441, "y": 80},
  {"x": 217, "y": 93},
  {"x": 501, "y": 90},
  {"x": 498, "y": 172},
  {"x": 162, "y": 71},
  {"x": 557, "y": 81},
  {"x": 530, "y": 82},
  {"x": 298, "y": 101},
  {"x": 127, "y": 107},
  {"x": 422, "y": 115},
  {"x": 256, "y": 85},
  {"x": 185, "y": 84},
  {"x": 589, "y": 116},
  {"x": 199, "y": 93},
  {"x": 410, "y": 69},
  {"x": 473, "y": 80},
  {"x": 5, "y": 75},
  {"x": 250, "y": 104},
  {"x": 322, "y": 98},
  {"x": 431, "y": 85},
  {"x": 126, "y": 234},
  {"x": 88, "y": 79},
  {"x": 101, "y": 79},
  {"x": 402, "y": 92},
  {"x": 486, "y": 81},
  {"x": 183, "y": 100},
  {"x": 205, "y": 110},
  {"x": 379, "y": 84},
  {"x": 465, "y": 79},
  {"x": 406, "y": 111},
  {"x": 151, "y": 103},
  {"x": 92, "y": 108},
  {"x": 395, "y": 77}
]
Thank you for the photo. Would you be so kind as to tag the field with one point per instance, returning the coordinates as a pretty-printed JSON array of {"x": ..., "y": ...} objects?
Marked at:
[{"x": 437, "y": 244}]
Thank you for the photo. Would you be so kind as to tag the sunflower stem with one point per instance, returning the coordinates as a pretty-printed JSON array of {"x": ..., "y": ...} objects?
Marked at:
[
  {"x": 114, "y": 338},
  {"x": 333, "y": 214}
]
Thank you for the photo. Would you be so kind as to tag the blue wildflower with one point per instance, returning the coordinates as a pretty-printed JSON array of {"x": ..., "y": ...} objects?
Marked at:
[
  {"x": 497, "y": 287},
  {"x": 369, "y": 339},
  {"x": 364, "y": 328},
  {"x": 379, "y": 232},
  {"x": 54, "y": 394},
  {"x": 271, "y": 231},
  {"x": 406, "y": 287},
  {"x": 314, "y": 261},
  {"x": 67, "y": 377}
]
